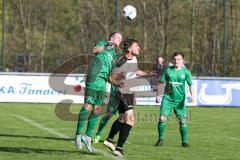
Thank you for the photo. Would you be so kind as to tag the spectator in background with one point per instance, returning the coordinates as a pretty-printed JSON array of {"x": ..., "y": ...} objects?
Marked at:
[
  {"x": 159, "y": 65},
  {"x": 158, "y": 68}
]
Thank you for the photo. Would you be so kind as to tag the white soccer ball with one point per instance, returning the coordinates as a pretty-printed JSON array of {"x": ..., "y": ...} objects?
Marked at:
[{"x": 129, "y": 12}]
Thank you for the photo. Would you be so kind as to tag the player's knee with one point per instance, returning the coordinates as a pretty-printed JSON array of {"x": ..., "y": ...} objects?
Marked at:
[
  {"x": 130, "y": 121},
  {"x": 183, "y": 123},
  {"x": 87, "y": 106},
  {"x": 162, "y": 118},
  {"x": 97, "y": 110},
  {"x": 129, "y": 118}
]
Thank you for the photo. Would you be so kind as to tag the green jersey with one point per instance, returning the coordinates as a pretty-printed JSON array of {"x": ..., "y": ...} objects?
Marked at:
[
  {"x": 175, "y": 83},
  {"x": 102, "y": 63}
]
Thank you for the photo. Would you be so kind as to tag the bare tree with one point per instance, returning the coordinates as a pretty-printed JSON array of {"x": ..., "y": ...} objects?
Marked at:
[
  {"x": 80, "y": 19},
  {"x": 145, "y": 38},
  {"x": 164, "y": 31},
  {"x": 192, "y": 30},
  {"x": 44, "y": 39},
  {"x": 215, "y": 36},
  {"x": 24, "y": 11},
  {"x": 234, "y": 24},
  {"x": 159, "y": 25},
  {"x": 106, "y": 25}
]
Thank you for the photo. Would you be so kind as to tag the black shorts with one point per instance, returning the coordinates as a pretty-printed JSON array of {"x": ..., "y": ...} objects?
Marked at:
[{"x": 127, "y": 102}]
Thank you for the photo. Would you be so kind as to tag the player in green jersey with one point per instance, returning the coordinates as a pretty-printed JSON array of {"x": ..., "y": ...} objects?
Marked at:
[
  {"x": 175, "y": 78},
  {"x": 97, "y": 76},
  {"x": 112, "y": 103},
  {"x": 112, "y": 109}
]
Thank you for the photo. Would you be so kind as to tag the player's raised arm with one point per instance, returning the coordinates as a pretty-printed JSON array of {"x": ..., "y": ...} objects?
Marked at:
[
  {"x": 143, "y": 74},
  {"x": 115, "y": 79},
  {"x": 100, "y": 46},
  {"x": 98, "y": 49},
  {"x": 114, "y": 40}
]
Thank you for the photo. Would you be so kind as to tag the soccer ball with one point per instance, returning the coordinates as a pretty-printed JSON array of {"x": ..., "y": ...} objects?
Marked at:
[{"x": 129, "y": 12}]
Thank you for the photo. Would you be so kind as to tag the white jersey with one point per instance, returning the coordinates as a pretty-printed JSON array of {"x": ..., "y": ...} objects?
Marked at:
[{"x": 127, "y": 67}]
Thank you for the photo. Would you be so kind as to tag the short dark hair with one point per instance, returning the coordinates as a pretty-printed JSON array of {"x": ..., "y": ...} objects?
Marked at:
[
  {"x": 178, "y": 53},
  {"x": 109, "y": 37},
  {"x": 128, "y": 43}
]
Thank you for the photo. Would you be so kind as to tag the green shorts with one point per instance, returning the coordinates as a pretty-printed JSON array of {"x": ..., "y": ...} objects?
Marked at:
[
  {"x": 179, "y": 108},
  {"x": 114, "y": 101},
  {"x": 95, "y": 92}
]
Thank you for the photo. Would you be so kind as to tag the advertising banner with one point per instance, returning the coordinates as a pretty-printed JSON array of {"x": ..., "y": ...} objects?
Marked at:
[
  {"x": 50, "y": 88},
  {"x": 214, "y": 92},
  {"x": 36, "y": 89}
]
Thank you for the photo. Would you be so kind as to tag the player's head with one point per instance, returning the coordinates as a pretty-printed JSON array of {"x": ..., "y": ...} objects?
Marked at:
[
  {"x": 131, "y": 46},
  {"x": 115, "y": 38},
  {"x": 178, "y": 59}
]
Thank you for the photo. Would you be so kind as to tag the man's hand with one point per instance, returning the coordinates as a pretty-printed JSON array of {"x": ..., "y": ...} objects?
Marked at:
[
  {"x": 98, "y": 49},
  {"x": 192, "y": 94},
  {"x": 158, "y": 98},
  {"x": 115, "y": 78},
  {"x": 106, "y": 100},
  {"x": 120, "y": 84},
  {"x": 153, "y": 73},
  {"x": 192, "y": 99},
  {"x": 159, "y": 92}
]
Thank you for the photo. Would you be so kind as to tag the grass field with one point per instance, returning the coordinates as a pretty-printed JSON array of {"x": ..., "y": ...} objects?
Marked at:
[{"x": 32, "y": 131}]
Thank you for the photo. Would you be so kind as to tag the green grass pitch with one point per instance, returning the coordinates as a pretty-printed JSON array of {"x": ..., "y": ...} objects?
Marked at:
[{"x": 32, "y": 131}]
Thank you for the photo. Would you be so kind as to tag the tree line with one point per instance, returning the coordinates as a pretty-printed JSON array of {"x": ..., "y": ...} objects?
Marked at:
[{"x": 50, "y": 32}]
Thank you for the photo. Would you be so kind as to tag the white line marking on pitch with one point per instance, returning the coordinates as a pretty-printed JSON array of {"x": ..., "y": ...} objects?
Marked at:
[
  {"x": 232, "y": 138},
  {"x": 51, "y": 130}
]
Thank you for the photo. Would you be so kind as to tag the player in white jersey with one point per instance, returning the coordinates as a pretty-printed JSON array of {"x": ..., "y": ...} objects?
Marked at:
[{"x": 128, "y": 67}]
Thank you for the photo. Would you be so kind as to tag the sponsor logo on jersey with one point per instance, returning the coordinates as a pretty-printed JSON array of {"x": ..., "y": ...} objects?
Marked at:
[
  {"x": 175, "y": 83},
  {"x": 131, "y": 75}
]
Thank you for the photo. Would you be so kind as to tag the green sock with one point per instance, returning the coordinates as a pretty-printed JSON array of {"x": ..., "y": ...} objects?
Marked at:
[
  {"x": 81, "y": 120},
  {"x": 161, "y": 127},
  {"x": 92, "y": 121},
  {"x": 183, "y": 131},
  {"x": 102, "y": 125}
]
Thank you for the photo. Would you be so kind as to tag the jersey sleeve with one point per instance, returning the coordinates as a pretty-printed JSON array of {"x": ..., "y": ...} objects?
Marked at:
[
  {"x": 101, "y": 43},
  {"x": 163, "y": 77},
  {"x": 189, "y": 78}
]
